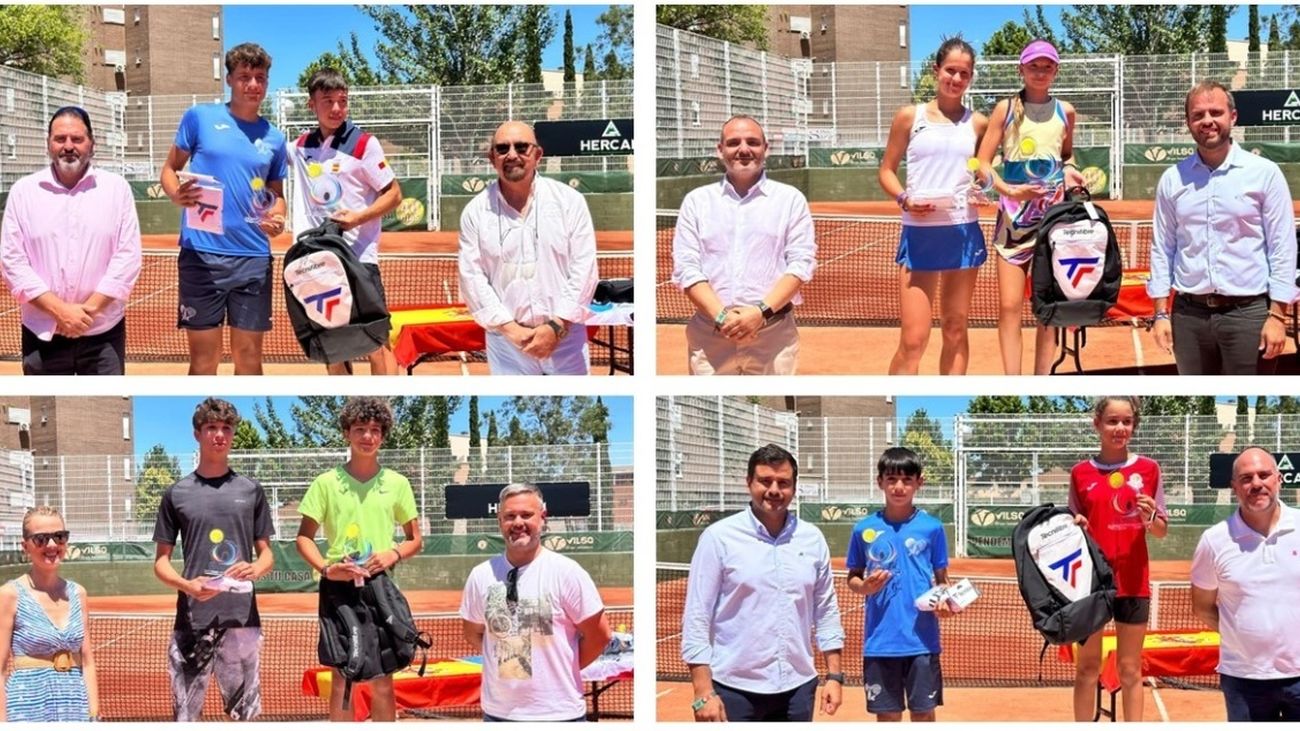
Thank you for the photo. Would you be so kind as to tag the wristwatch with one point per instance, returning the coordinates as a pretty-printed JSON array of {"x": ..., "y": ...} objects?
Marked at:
[
  {"x": 702, "y": 701},
  {"x": 837, "y": 677},
  {"x": 559, "y": 330},
  {"x": 764, "y": 310}
]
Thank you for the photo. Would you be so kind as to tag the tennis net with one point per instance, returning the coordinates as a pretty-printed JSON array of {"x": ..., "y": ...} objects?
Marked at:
[
  {"x": 991, "y": 644},
  {"x": 410, "y": 280},
  {"x": 131, "y": 659},
  {"x": 856, "y": 281}
]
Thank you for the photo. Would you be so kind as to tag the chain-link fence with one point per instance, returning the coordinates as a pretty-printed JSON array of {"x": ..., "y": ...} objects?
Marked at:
[
  {"x": 1129, "y": 109},
  {"x": 115, "y": 498},
  {"x": 430, "y": 133}
]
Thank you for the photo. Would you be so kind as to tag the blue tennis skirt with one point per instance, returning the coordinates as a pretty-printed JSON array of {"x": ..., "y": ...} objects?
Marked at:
[{"x": 942, "y": 248}]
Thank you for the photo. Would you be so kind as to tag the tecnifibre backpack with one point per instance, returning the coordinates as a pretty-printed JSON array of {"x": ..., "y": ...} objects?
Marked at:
[
  {"x": 1077, "y": 270},
  {"x": 336, "y": 308},
  {"x": 1065, "y": 581},
  {"x": 368, "y": 632}
]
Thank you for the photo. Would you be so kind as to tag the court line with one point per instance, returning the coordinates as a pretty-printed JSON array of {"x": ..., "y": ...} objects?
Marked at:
[
  {"x": 663, "y": 693},
  {"x": 1160, "y": 705}
]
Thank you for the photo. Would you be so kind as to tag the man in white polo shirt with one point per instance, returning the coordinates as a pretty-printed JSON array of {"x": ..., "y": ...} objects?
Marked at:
[
  {"x": 341, "y": 174},
  {"x": 1246, "y": 586},
  {"x": 742, "y": 249}
]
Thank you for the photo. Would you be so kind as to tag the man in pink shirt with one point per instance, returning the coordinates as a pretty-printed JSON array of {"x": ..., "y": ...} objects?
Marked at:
[{"x": 70, "y": 253}]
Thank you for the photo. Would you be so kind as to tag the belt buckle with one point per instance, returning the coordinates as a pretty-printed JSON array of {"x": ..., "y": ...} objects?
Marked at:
[{"x": 62, "y": 661}]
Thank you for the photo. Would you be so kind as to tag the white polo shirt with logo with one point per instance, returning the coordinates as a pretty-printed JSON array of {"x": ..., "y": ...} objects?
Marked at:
[
  {"x": 354, "y": 173},
  {"x": 1258, "y": 581}
]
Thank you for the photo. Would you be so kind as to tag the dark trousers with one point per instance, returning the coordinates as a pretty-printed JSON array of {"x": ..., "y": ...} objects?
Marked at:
[
  {"x": 1261, "y": 700},
  {"x": 792, "y": 705},
  {"x": 91, "y": 355},
  {"x": 1213, "y": 341}
]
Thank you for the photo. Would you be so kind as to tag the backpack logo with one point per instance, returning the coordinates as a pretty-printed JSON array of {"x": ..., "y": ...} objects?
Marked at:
[
  {"x": 1069, "y": 567},
  {"x": 319, "y": 281},
  {"x": 1076, "y": 268},
  {"x": 1078, "y": 252}
]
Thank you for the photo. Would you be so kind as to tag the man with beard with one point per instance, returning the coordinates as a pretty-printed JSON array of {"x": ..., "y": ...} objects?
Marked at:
[
  {"x": 528, "y": 263},
  {"x": 1224, "y": 241},
  {"x": 1246, "y": 586},
  {"x": 536, "y": 618},
  {"x": 760, "y": 587},
  {"x": 225, "y": 278},
  {"x": 70, "y": 247},
  {"x": 743, "y": 248}
]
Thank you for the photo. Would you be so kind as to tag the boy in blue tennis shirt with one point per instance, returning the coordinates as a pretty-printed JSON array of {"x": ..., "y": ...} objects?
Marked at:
[
  {"x": 225, "y": 278},
  {"x": 895, "y": 556}
]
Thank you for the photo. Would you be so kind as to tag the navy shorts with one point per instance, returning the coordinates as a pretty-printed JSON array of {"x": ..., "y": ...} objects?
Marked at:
[
  {"x": 217, "y": 289},
  {"x": 891, "y": 680},
  {"x": 791, "y": 705},
  {"x": 1276, "y": 699}
]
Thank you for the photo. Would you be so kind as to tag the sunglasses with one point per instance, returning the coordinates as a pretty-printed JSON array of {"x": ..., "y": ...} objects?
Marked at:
[
  {"x": 503, "y": 148},
  {"x": 42, "y": 539},
  {"x": 512, "y": 585}
]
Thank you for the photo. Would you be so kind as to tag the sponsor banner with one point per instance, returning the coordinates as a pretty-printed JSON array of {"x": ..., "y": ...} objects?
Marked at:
[
  {"x": 711, "y": 165},
  {"x": 1172, "y": 154},
  {"x": 1267, "y": 107},
  {"x": 562, "y": 499},
  {"x": 680, "y": 519},
  {"x": 853, "y": 512},
  {"x": 110, "y": 551},
  {"x": 583, "y": 182},
  {"x": 1288, "y": 467},
  {"x": 585, "y": 138},
  {"x": 1093, "y": 162},
  {"x": 989, "y": 527}
]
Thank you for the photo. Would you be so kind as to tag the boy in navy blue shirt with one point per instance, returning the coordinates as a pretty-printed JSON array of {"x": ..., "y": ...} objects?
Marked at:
[{"x": 895, "y": 556}]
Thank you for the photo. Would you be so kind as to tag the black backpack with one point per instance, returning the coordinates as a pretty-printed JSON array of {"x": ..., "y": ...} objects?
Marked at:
[
  {"x": 336, "y": 308},
  {"x": 369, "y": 634},
  {"x": 1077, "y": 270},
  {"x": 1058, "y": 619}
]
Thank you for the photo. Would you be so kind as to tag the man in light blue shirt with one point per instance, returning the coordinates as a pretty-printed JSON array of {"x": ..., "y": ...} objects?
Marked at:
[
  {"x": 1224, "y": 240},
  {"x": 760, "y": 582}
]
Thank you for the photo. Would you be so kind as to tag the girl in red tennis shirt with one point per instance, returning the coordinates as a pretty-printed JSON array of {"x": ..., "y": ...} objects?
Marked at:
[{"x": 1118, "y": 497}]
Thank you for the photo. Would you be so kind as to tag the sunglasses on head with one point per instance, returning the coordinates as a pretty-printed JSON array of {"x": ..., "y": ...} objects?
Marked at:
[
  {"x": 512, "y": 585},
  {"x": 503, "y": 148},
  {"x": 42, "y": 539}
]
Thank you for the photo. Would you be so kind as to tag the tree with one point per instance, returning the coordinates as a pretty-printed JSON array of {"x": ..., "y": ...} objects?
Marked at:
[
  {"x": 1293, "y": 36},
  {"x": 594, "y": 421},
  {"x": 534, "y": 17},
  {"x": 589, "y": 72},
  {"x": 570, "y": 62},
  {"x": 158, "y": 471},
  {"x": 923, "y": 89},
  {"x": 44, "y": 39},
  {"x": 474, "y": 426},
  {"x": 1241, "y": 425},
  {"x": 1266, "y": 423},
  {"x": 247, "y": 437},
  {"x": 441, "y": 424},
  {"x": 1252, "y": 29},
  {"x": 1007, "y": 40},
  {"x": 276, "y": 435},
  {"x": 615, "y": 41},
  {"x": 547, "y": 419},
  {"x": 1135, "y": 29},
  {"x": 454, "y": 45},
  {"x": 1218, "y": 38},
  {"x": 348, "y": 60},
  {"x": 1274, "y": 34},
  {"x": 733, "y": 23}
]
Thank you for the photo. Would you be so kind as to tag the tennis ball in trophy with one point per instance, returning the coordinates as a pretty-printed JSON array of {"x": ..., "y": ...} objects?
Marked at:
[
  {"x": 410, "y": 211},
  {"x": 216, "y": 535},
  {"x": 1095, "y": 178},
  {"x": 353, "y": 531},
  {"x": 257, "y": 184}
]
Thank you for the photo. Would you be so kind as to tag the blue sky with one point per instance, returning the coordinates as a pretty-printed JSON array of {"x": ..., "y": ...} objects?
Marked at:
[
  {"x": 295, "y": 35},
  {"x": 165, "y": 420},
  {"x": 930, "y": 23}
]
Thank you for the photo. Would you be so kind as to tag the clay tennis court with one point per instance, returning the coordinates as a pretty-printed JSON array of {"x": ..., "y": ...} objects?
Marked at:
[
  {"x": 418, "y": 269},
  {"x": 856, "y": 274},
  {"x": 131, "y": 634},
  {"x": 990, "y": 654}
]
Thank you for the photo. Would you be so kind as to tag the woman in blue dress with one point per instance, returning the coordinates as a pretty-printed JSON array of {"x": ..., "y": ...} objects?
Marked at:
[{"x": 43, "y": 631}]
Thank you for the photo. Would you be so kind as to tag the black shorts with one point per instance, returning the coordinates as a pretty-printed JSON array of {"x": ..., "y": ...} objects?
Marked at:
[{"x": 1132, "y": 609}]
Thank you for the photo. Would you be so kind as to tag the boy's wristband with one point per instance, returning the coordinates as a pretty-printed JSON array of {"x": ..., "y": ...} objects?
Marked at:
[{"x": 721, "y": 318}]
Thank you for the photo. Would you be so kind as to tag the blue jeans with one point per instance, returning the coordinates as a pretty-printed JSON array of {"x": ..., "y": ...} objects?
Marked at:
[
  {"x": 791, "y": 705},
  {"x": 1261, "y": 700}
]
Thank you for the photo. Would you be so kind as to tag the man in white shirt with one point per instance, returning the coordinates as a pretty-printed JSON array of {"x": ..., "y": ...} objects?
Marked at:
[
  {"x": 536, "y": 618},
  {"x": 528, "y": 263},
  {"x": 1223, "y": 240},
  {"x": 341, "y": 174},
  {"x": 743, "y": 248},
  {"x": 760, "y": 583},
  {"x": 1246, "y": 587}
]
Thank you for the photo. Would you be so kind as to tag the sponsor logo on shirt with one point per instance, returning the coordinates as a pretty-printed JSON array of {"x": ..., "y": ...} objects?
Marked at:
[{"x": 221, "y": 126}]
